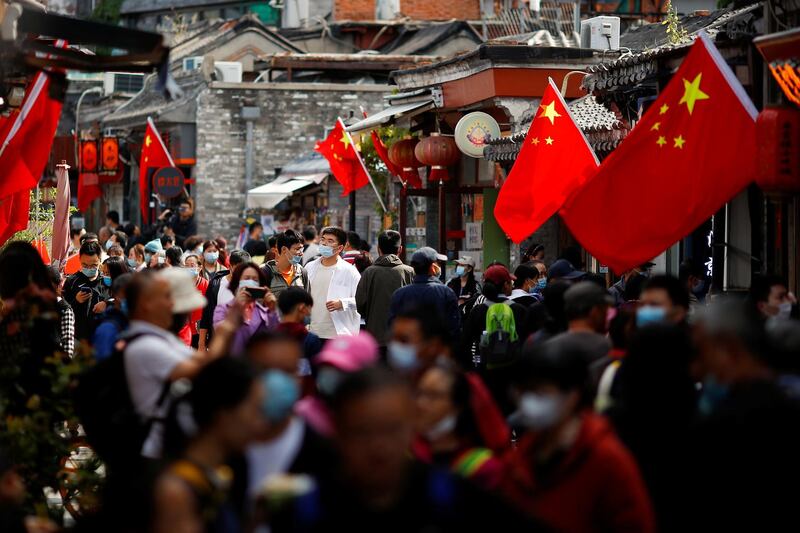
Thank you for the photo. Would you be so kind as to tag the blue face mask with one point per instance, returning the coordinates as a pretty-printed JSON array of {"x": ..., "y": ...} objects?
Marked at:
[
  {"x": 107, "y": 281},
  {"x": 109, "y": 244},
  {"x": 712, "y": 395},
  {"x": 460, "y": 271},
  {"x": 132, "y": 263},
  {"x": 402, "y": 357},
  {"x": 328, "y": 379},
  {"x": 650, "y": 315},
  {"x": 89, "y": 272},
  {"x": 123, "y": 306},
  {"x": 296, "y": 259},
  {"x": 193, "y": 272},
  {"x": 147, "y": 258},
  {"x": 211, "y": 257},
  {"x": 541, "y": 283},
  {"x": 307, "y": 320},
  {"x": 282, "y": 392},
  {"x": 325, "y": 250}
]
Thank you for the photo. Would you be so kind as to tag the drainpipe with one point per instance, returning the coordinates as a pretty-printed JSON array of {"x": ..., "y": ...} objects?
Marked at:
[{"x": 250, "y": 114}]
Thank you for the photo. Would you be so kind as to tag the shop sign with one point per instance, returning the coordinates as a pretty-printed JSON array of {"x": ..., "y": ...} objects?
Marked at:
[
  {"x": 168, "y": 182},
  {"x": 415, "y": 232}
]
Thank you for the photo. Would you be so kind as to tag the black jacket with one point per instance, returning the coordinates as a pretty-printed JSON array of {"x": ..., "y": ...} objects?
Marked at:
[
  {"x": 182, "y": 228},
  {"x": 85, "y": 319},
  {"x": 212, "y": 293}
]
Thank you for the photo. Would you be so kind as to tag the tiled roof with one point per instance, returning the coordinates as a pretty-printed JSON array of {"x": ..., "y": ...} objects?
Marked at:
[
  {"x": 648, "y": 43},
  {"x": 603, "y": 128}
]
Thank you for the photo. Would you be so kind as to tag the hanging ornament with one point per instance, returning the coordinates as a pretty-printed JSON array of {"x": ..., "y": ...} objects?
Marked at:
[
  {"x": 401, "y": 154},
  {"x": 439, "y": 152}
]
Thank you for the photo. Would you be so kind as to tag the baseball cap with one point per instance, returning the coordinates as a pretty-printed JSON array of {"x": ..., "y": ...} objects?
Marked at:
[
  {"x": 466, "y": 261},
  {"x": 349, "y": 353},
  {"x": 153, "y": 246},
  {"x": 498, "y": 274},
  {"x": 426, "y": 256},
  {"x": 563, "y": 269},
  {"x": 588, "y": 294},
  {"x": 185, "y": 296}
]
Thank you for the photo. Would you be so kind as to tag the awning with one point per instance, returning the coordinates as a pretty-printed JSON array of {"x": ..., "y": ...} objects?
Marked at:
[
  {"x": 271, "y": 194},
  {"x": 390, "y": 114}
]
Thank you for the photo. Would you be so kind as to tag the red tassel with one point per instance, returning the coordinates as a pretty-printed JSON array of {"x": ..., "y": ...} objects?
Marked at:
[{"x": 438, "y": 174}]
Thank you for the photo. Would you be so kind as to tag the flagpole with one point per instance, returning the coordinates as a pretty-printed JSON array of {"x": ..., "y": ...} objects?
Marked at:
[
  {"x": 160, "y": 140},
  {"x": 360, "y": 160}
]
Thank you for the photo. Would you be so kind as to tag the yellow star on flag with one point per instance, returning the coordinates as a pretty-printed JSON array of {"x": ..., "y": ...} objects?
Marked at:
[
  {"x": 147, "y": 140},
  {"x": 535, "y": 140},
  {"x": 549, "y": 111},
  {"x": 661, "y": 141},
  {"x": 679, "y": 142},
  {"x": 655, "y": 126},
  {"x": 692, "y": 92},
  {"x": 549, "y": 140},
  {"x": 664, "y": 109},
  {"x": 345, "y": 140}
]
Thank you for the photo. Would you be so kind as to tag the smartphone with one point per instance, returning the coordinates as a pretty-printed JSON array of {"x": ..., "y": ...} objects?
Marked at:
[
  {"x": 85, "y": 288},
  {"x": 256, "y": 292}
]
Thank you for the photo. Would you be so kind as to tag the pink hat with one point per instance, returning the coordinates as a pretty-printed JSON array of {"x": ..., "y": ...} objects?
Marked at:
[{"x": 349, "y": 353}]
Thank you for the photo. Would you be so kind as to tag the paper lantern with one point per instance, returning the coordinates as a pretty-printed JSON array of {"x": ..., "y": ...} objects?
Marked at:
[
  {"x": 401, "y": 154},
  {"x": 89, "y": 156},
  {"x": 439, "y": 152},
  {"x": 110, "y": 153},
  {"x": 778, "y": 150}
]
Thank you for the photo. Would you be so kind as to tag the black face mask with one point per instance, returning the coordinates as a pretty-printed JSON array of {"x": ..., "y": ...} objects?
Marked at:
[{"x": 178, "y": 321}]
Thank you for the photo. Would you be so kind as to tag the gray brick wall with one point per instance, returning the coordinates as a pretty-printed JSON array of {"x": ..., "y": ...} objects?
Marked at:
[{"x": 293, "y": 118}]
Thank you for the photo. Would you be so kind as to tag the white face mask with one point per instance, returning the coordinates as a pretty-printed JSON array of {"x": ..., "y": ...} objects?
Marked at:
[
  {"x": 442, "y": 427},
  {"x": 540, "y": 411},
  {"x": 785, "y": 310}
]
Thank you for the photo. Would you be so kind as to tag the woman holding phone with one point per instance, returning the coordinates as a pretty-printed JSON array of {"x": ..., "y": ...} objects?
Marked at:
[{"x": 249, "y": 285}]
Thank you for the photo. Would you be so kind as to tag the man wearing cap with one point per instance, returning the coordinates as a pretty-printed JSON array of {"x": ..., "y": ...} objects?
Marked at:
[
  {"x": 154, "y": 356},
  {"x": 563, "y": 269},
  {"x": 378, "y": 283},
  {"x": 464, "y": 284},
  {"x": 426, "y": 290}
]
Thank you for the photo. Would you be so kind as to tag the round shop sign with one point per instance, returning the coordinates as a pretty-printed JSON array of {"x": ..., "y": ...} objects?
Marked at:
[
  {"x": 168, "y": 182},
  {"x": 474, "y": 131}
]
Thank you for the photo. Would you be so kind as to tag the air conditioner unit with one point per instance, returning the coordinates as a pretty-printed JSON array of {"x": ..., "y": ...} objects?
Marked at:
[
  {"x": 228, "y": 71},
  {"x": 192, "y": 63},
  {"x": 122, "y": 83},
  {"x": 600, "y": 33}
]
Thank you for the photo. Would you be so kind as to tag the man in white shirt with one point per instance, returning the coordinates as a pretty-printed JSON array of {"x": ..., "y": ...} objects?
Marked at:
[
  {"x": 156, "y": 356},
  {"x": 333, "y": 281}
]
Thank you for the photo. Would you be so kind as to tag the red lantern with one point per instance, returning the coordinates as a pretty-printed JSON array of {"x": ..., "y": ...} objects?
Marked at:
[
  {"x": 778, "y": 134},
  {"x": 401, "y": 154},
  {"x": 439, "y": 152},
  {"x": 88, "y": 156},
  {"x": 110, "y": 154}
]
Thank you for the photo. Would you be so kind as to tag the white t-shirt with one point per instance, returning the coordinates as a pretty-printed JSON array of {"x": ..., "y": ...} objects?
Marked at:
[
  {"x": 321, "y": 322},
  {"x": 149, "y": 360},
  {"x": 224, "y": 295},
  {"x": 266, "y": 459}
]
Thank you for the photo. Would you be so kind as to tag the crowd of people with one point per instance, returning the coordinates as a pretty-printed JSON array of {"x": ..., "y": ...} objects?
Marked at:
[{"x": 298, "y": 385}]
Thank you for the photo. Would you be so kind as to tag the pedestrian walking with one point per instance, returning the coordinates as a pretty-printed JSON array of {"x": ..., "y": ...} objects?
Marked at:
[
  {"x": 286, "y": 270},
  {"x": 333, "y": 281},
  {"x": 379, "y": 282}
]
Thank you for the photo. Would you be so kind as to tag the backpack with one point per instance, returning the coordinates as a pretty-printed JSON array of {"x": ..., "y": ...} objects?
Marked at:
[
  {"x": 500, "y": 343},
  {"x": 104, "y": 406}
]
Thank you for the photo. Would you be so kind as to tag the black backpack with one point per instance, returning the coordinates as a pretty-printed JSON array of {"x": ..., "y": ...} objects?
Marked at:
[{"x": 104, "y": 406}]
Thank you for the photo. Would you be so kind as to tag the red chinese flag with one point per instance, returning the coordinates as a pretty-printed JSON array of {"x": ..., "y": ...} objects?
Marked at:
[
  {"x": 14, "y": 214},
  {"x": 26, "y": 136},
  {"x": 693, "y": 150},
  {"x": 553, "y": 162},
  {"x": 383, "y": 153},
  {"x": 88, "y": 189},
  {"x": 155, "y": 156},
  {"x": 344, "y": 160}
]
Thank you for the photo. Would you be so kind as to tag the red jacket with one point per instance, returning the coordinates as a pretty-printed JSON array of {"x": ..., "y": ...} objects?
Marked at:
[{"x": 596, "y": 486}]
